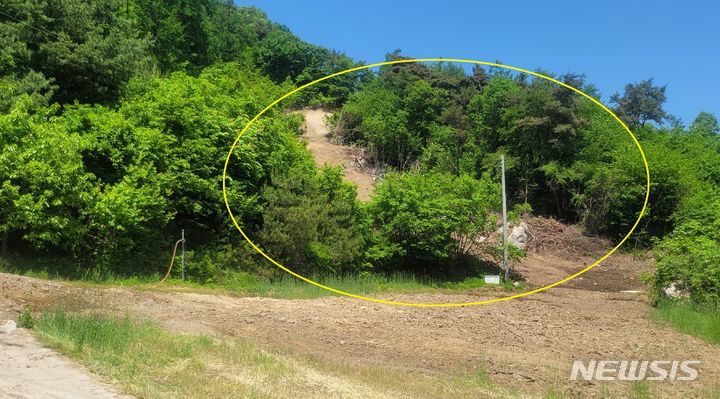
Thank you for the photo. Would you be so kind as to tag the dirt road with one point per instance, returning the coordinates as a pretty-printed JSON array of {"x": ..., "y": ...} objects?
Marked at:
[
  {"x": 528, "y": 343},
  {"x": 29, "y": 371},
  {"x": 316, "y": 136}
]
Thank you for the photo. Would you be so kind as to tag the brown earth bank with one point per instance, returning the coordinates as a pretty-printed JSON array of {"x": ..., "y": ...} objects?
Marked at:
[
  {"x": 328, "y": 153},
  {"x": 527, "y": 343},
  {"x": 556, "y": 251}
]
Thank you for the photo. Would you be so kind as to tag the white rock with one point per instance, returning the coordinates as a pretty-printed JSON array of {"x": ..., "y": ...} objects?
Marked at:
[
  {"x": 8, "y": 327},
  {"x": 674, "y": 291},
  {"x": 519, "y": 235}
]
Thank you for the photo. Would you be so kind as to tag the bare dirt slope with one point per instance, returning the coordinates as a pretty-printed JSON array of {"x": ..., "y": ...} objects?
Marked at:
[
  {"x": 527, "y": 343},
  {"x": 557, "y": 250},
  {"x": 316, "y": 136},
  {"x": 28, "y": 371}
]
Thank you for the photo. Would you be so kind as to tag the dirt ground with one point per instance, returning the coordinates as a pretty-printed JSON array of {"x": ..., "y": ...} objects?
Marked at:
[
  {"x": 316, "y": 136},
  {"x": 527, "y": 343},
  {"x": 557, "y": 250}
]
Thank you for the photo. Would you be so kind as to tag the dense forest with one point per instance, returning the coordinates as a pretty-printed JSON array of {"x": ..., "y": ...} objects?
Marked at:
[{"x": 116, "y": 117}]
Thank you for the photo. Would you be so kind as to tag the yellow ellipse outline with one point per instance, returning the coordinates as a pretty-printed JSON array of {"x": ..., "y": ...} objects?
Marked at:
[{"x": 389, "y": 302}]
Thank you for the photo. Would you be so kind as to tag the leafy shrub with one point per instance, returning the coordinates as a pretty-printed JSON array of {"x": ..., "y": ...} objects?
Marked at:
[
  {"x": 691, "y": 256},
  {"x": 312, "y": 222},
  {"x": 26, "y": 319},
  {"x": 223, "y": 264},
  {"x": 426, "y": 222},
  {"x": 515, "y": 253}
]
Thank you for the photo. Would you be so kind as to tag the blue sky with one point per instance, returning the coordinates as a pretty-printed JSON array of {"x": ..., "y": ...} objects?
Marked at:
[{"x": 613, "y": 42}]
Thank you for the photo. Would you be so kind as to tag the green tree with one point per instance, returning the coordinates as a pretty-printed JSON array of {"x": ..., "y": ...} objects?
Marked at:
[
  {"x": 312, "y": 222},
  {"x": 180, "y": 31},
  {"x": 690, "y": 256},
  {"x": 44, "y": 183},
  {"x": 705, "y": 124},
  {"x": 283, "y": 56},
  {"x": 89, "y": 50},
  {"x": 641, "y": 103},
  {"x": 425, "y": 222}
]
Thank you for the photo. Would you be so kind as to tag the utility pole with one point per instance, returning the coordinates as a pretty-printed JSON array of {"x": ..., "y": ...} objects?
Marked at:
[
  {"x": 505, "y": 265},
  {"x": 182, "y": 255}
]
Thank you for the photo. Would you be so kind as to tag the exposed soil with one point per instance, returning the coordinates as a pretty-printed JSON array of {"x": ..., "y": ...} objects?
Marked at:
[
  {"x": 556, "y": 251},
  {"x": 527, "y": 343},
  {"x": 316, "y": 136}
]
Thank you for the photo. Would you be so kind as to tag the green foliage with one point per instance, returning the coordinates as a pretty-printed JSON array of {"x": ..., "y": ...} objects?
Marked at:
[
  {"x": 180, "y": 31},
  {"x": 700, "y": 320},
  {"x": 375, "y": 118},
  {"x": 497, "y": 251},
  {"x": 225, "y": 265},
  {"x": 116, "y": 117},
  {"x": 84, "y": 50},
  {"x": 106, "y": 185},
  {"x": 43, "y": 178},
  {"x": 705, "y": 124},
  {"x": 312, "y": 222},
  {"x": 691, "y": 256},
  {"x": 453, "y": 123},
  {"x": 641, "y": 103},
  {"x": 26, "y": 319},
  {"x": 283, "y": 56},
  {"x": 408, "y": 110},
  {"x": 87, "y": 51},
  {"x": 564, "y": 156},
  {"x": 426, "y": 222}
]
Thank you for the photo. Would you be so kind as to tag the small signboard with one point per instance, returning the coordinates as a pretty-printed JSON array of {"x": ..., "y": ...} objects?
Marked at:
[{"x": 492, "y": 279}]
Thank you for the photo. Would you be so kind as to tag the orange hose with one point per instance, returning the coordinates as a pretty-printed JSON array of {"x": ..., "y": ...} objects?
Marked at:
[{"x": 172, "y": 260}]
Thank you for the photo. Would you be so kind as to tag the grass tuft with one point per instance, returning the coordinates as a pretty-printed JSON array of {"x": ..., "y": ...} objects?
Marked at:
[
  {"x": 640, "y": 390},
  {"x": 702, "y": 321},
  {"x": 283, "y": 287},
  {"x": 26, "y": 319}
]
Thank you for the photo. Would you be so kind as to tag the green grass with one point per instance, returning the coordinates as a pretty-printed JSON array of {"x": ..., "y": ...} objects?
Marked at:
[
  {"x": 286, "y": 286},
  {"x": 553, "y": 391},
  {"x": 25, "y": 320},
  {"x": 702, "y": 321},
  {"x": 640, "y": 390},
  {"x": 636, "y": 390},
  {"x": 144, "y": 360},
  {"x": 290, "y": 287}
]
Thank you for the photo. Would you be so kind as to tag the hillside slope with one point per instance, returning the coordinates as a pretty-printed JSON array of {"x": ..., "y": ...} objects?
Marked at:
[{"x": 325, "y": 152}]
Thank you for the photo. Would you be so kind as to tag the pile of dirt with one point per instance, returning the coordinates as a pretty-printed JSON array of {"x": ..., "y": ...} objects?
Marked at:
[
  {"x": 549, "y": 236},
  {"x": 556, "y": 251}
]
